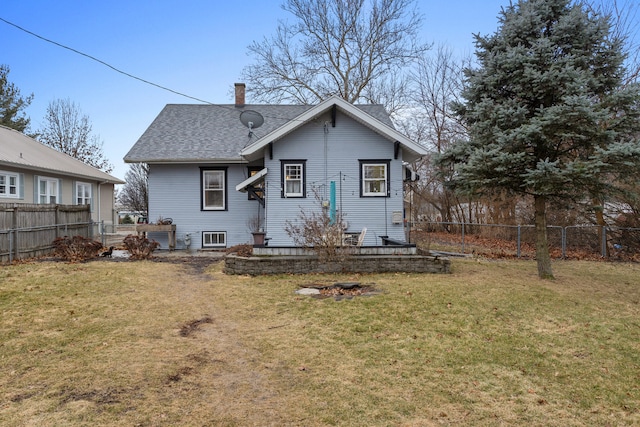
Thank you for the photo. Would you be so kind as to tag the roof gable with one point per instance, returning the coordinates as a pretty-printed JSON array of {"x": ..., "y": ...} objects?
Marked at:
[
  {"x": 192, "y": 133},
  {"x": 22, "y": 151},
  {"x": 411, "y": 149}
]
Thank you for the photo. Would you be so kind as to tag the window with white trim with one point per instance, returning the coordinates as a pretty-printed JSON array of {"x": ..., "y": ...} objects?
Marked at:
[
  {"x": 374, "y": 176},
  {"x": 214, "y": 189},
  {"x": 47, "y": 190},
  {"x": 293, "y": 178},
  {"x": 214, "y": 239},
  {"x": 83, "y": 193},
  {"x": 9, "y": 184}
]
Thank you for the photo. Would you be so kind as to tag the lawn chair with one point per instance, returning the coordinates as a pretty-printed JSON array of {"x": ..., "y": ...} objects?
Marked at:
[{"x": 361, "y": 236}]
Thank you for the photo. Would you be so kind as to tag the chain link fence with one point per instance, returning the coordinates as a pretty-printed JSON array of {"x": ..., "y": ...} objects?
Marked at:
[{"x": 576, "y": 241}]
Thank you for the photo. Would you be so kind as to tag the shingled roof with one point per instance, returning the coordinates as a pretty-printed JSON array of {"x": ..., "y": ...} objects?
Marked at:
[
  {"x": 22, "y": 151},
  {"x": 189, "y": 133}
]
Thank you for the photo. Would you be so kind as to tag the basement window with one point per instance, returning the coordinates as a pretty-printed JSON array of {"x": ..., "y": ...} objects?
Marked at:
[{"x": 214, "y": 239}]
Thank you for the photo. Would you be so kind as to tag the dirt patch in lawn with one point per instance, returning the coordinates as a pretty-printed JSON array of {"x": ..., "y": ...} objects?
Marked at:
[
  {"x": 195, "y": 265},
  {"x": 338, "y": 291},
  {"x": 190, "y": 327},
  {"x": 131, "y": 343}
]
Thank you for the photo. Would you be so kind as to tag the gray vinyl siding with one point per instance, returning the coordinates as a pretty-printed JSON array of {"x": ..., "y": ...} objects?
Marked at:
[
  {"x": 174, "y": 192},
  {"x": 175, "y": 189},
  {"x": 346, "y": 144},
  {"x": 102, "y": 193}
]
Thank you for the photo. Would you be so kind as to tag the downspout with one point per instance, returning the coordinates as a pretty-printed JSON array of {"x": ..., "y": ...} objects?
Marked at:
[
  {"x": 98, "y": 205},
  {"x": 386, "y": 219},
  {"x": 266, "y": 200},
  {"x": 326, "y": 157}
]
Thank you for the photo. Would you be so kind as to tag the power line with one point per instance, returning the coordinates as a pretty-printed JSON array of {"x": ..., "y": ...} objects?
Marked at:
[
  {"x": 106, "y": 64},
  {"x": 93, "y": 58}
]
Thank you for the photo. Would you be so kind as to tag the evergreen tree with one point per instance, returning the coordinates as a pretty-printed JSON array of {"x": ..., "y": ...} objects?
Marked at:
[
  {"x": 12, "y": 104},
  {"x": 547, "y": 112}
]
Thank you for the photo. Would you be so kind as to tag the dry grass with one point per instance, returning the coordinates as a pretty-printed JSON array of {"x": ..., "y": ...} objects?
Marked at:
[{"x": 104, "y": 343}]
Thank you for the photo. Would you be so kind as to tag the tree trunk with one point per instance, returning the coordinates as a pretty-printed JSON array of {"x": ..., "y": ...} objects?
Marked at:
[
  {"x": 599, "y": 211},
  {"x": 542, "y": 247}
]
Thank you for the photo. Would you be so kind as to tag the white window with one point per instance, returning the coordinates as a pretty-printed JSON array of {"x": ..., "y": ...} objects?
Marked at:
[
  {"x": 374, "y": 179},
  {"x": 8, "y": 184},
  {"x": 213, "y": 190},
  {"x": 293, "y": 179},
  {"x": 47, "y": 190},
  {"x": 214, "y": 239},
  {"x": 83, "y": 193}
]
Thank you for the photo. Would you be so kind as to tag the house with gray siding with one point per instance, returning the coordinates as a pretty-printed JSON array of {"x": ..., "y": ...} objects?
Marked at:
[
  {"x": 214, "y": 168},
  {"x": 34, "y": 173}
]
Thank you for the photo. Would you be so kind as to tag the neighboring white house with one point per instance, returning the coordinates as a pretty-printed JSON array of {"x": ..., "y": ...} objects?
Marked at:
[
  {"x": 212, "y": 168},
  {"x": 31, "y": 172}
]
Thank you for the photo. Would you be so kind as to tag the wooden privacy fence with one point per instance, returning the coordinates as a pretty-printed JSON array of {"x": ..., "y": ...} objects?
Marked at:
[{"x": 28, "y": 230}]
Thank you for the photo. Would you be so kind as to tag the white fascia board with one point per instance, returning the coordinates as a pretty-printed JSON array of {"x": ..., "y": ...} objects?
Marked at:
[
  {"x": 349, "y": 109},
  {"x": 291, "y": 125}
]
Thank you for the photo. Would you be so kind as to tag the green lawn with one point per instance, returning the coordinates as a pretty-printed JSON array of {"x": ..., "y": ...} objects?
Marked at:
[{"x": 162, "y": 344}]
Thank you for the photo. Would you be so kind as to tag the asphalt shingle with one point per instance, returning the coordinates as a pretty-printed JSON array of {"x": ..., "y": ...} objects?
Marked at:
[
  {"x": 21, "y": 151},
  {"x": 200, "y": 133}
]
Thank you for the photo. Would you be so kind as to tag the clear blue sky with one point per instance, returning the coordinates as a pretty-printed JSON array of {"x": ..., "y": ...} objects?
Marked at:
[{"x": 196, "y": 47}]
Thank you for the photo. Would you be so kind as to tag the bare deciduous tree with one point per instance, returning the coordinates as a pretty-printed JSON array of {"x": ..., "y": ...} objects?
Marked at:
[
  {"x": 352, "y": 48},
  {"x": 436, "y": 81},
  {"x": 134, "y": 194},
  {"x": 624, "y": 16},
  {"x": 69, "y": 132}
]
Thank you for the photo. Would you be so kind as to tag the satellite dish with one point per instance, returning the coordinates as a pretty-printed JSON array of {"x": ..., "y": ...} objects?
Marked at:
[{"x": 251, "y": 119}]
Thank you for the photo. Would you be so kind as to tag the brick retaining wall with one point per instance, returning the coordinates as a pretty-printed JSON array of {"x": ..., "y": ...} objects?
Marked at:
[{"x": 357, "y": 264}]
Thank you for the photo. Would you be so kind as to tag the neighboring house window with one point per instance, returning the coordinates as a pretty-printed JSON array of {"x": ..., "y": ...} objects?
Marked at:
[
  {"x": 83, "y": 193},
  {"x": 214, "y": 194},
  {"x": 47, "y": 190},
  {"x": 214, "y": 239},
  {"x": 293, "y": 184},
  {"x": 8, "y": 184},
  {"x": 374, "y": 178}
]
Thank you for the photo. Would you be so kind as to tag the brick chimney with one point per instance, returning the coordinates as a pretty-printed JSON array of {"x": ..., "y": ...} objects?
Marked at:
[{"x": 240, "y": 87}]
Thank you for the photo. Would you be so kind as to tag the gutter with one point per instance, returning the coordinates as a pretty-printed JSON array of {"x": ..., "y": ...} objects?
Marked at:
[
  {"x": 60, "y": 172},
  {"x": 237, "y": 160}
]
